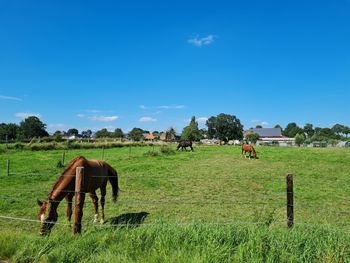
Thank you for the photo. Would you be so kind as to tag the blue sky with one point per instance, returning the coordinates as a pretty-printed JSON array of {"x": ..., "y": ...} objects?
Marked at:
[{"x": 154, "y": 64}]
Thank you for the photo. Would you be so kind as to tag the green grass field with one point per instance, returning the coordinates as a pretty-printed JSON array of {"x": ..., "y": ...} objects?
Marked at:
[{"x": 207, "y": 206}]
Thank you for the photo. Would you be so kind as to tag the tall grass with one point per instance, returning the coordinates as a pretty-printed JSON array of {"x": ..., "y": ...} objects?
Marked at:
[{"x": 193, "y": 243}]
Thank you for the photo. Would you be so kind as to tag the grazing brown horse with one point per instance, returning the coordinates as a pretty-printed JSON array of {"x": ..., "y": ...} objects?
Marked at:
[
  {"x": 96, "y": 175},
  {"x": 184, "y": 144},
  {"x": 248, "y": 148}
]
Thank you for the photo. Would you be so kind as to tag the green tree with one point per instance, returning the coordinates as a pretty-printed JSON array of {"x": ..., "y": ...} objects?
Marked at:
[
  {"x": 103, "y": 133},
  {"x": 57, "y": 133},
  {"x": 253, "y": 137},
  {"x": 191, "y": 132},
  {"x": 338, "y": 129},
  {"x": 346, "y": 131},
  {"x": 136, "y": 134},
  {"x": 225, "y": 127},
  {"x": 309, "y": 130},
  {"x": 72, "y": 131},
  {"x": 32, "y": 127},
  {"x": 87, "y": 133},
  {"x": 299, "y": 139},
  {"x": 203, "y": 133},
  {"x": 258, "y": 126},
  {"x": 170, "y": 134},
  {"x": 292, "y": 130},
  {"x": 9, "y": 130},
  {"x": 118, "y": 133},
  {"x": 279, "y": 126}
]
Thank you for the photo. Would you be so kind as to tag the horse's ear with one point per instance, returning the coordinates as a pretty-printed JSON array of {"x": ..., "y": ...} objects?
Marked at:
[{"x": 39, "y": 202}]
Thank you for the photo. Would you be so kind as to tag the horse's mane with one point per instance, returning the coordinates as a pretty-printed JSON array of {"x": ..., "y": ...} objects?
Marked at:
[{"x": 59, "y": 180}]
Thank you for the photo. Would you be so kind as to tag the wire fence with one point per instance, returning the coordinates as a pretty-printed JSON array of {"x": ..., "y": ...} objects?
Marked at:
[{"x": 272, "y": 198}]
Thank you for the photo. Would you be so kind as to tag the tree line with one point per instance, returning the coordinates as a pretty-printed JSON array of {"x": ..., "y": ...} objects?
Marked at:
[{"x": 224, "y": 127}]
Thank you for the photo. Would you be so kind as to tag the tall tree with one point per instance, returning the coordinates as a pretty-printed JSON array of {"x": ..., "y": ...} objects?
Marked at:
[
  {"x": 258, "y": 126},
  {"x": 103, "y": 133},
  {"x": 309, "y": 130},
  {"x": 225, "y": 127},
  {"x": 136, "y": 134},
  {"x": 8, "y": 131},
  {"x": 299, "y": 139},
  {"x": 191, "y": 132},
  {"x": 292, "y": 129},
  {"x": 72, "y": 131},
  {"x": 118, "y": 133},
  {"x": 338, "y": 128},
  {"x": 32, "y": 127},
  {"x": 87, "y": 133},
  {"x": 170, "y": 134}
]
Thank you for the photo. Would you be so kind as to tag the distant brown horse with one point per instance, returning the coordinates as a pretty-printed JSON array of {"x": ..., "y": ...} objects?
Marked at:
[
  {"x": 184, "y": 144},
  {"x": 248, "y": 148},
  {"x": 96, "y": 175}
]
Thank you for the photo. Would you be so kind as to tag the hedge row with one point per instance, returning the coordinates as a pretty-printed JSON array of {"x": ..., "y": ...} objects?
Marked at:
[{"x": 73, "y": 145}]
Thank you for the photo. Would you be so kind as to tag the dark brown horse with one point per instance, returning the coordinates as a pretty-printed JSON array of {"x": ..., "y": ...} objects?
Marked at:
[
  {"x": 184, "y": 144},
  {"x": 96, "y": 175},
  {"x": 248, "y": 148}
]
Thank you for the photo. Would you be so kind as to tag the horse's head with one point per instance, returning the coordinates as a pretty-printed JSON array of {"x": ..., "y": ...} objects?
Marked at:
[{"x": 47, "y": 216}]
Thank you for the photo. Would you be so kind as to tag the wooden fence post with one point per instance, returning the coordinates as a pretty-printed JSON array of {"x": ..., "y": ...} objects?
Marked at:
[
  {"x": 8, "y": 167},
  {"x": 79, "y": 199},
  {"x": 129, "y": 151},
  {"x": 290, "y": 207}
]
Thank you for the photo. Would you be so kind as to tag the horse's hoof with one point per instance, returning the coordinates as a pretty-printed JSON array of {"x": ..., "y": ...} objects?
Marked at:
[
  {"x": 95, "y": 219},
  {"x": 102, "y": 221}
]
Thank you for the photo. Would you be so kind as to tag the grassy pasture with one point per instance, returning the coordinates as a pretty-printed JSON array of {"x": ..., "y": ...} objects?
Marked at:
[{"x": 207, "y": 206}]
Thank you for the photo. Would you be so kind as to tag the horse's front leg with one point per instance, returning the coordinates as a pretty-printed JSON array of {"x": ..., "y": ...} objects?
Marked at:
[
  {"x": 78, "y": 213},
  {"x": 69, "y": 199},
  {"x": 95, "y": 202}
]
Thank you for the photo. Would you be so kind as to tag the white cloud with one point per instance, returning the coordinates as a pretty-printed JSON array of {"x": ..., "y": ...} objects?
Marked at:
[
  {"x": 143, "y": 107},
  {"x": 98, "y": 118},
  {"x": 103, "y": 118},
  {"x": 171, "y": 107},
  {"x": 24, "y": 115},
  {"x": 147, "y": 119},
  {"x": 204, "y": 41},
  {"x": 2, "y": 97}
]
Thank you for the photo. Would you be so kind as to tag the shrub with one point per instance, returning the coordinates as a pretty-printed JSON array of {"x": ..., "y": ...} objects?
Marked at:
[
  {"x": 151, "y": 153},
  {"x": 164, "y": 149},
  {"x": 18, "y": 146}
]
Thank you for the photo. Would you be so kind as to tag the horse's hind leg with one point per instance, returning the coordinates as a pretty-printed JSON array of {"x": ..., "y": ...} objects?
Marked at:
[
  {"x": 103, "y": 194},
  {"x": 95, "y": 202}
]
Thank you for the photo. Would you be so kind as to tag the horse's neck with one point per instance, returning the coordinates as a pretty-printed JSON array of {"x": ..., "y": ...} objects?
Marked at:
[{"x": 59, "y": 191}]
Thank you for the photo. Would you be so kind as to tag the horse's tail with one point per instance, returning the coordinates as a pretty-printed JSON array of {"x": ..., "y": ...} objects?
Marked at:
[{"x": 113, "y": 179}]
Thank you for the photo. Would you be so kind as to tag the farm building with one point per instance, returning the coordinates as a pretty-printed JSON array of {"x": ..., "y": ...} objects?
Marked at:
[
  {"x": 271, "y": 136},
  {"x": 343, "y": 144},
  {"x": 149, "y": 137}
]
